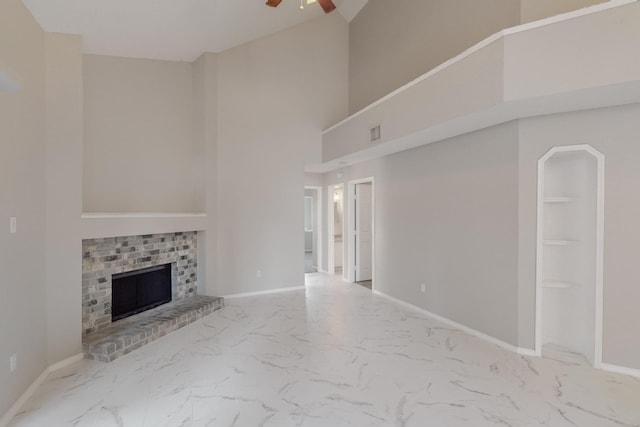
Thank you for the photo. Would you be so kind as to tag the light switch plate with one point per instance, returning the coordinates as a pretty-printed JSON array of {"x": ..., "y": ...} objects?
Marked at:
[{"x": 13, "y": 225}]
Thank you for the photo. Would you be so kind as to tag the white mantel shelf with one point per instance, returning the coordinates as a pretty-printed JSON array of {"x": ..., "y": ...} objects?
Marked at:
[
  {"x": 103, "y": 225},
  {"x": 579, "y": 60}
]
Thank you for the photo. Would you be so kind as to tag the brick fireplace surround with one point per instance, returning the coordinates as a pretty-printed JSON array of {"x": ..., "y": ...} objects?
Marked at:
[{"x": 104, "y": 257}]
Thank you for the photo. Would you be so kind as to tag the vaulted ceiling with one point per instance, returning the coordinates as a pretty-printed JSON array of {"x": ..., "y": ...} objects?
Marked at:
[{"x": 178, "y": 30}]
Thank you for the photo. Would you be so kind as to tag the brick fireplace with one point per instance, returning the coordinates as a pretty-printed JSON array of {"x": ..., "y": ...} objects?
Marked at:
[{"x": 102, "y": 258}]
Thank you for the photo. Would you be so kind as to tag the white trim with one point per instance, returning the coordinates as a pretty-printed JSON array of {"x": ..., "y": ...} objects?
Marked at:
[
  {"x": 331, "y": 244},
  {"x": 319, "y": 222},
  {"x": 471, "y": 331},
  {"x": 66, "y": 362},
  {"x": 261, "y": 293},
  {"x": 331, "y": 251},
  {"x": 117, "y": 215},
  {"x": 620, "y": 370},
  {"x": 348, "y": 269},
  {"x": 15, "y": 408},
  {"x": 484, "y": 43},
  {"x": 526, "y": 352},
  {"x": 599, "y": 272}
]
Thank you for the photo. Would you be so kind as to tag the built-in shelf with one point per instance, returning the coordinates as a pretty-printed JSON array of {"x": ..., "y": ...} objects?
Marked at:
[
  {"x": 568, "y": 313},
  {"x": 560, "y": 199},
  {"x": 557, "y": 284},
  {"x": 559, "y": 242}
]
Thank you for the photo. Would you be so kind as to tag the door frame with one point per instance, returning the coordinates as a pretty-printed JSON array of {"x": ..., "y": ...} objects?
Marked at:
[
  {"x": 318, "y": 223},
  {"x": 349, "y": 266},
  {"x": 331, "y": 265},
  {"x": 599, "y": 270}
]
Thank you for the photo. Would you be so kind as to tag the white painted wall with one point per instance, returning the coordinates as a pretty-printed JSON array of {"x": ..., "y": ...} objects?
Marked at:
[
  {"x": 22, "y": 189},
  {"x": 275, "y": 96},
  {"x": 139, "y": 150},
  {"x": 393, "y": 42}
]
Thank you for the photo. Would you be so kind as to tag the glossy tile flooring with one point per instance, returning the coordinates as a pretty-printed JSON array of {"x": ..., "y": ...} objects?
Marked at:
[{"x": 335, "y": 355}]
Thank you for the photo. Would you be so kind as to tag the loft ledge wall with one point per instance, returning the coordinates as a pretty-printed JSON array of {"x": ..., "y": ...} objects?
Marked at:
[{"x": 531, "y": 67}]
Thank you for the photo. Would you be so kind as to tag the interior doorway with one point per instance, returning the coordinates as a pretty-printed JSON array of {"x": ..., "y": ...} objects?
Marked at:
[
  {"x": 312, "y": 228},
  {"x": 336, "y": 229},
  {"x": 361, "y": 236},
  {"x": 569, "y": 276}
]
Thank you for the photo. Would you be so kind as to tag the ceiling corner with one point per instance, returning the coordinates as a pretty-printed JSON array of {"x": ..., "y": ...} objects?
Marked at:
[{"x": 349, "y": 9}]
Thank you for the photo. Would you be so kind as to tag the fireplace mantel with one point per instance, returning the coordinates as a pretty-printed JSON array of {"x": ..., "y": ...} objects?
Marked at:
[{"x": 103, "y": 225}]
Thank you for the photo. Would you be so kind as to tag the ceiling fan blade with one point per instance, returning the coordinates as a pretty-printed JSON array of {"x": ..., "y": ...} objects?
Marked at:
[
  {"x": 327, "y": 5},
  {"x": 273, "y": 3}
]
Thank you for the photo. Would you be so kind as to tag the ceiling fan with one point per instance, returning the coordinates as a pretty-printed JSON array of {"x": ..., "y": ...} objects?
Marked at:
[{"x": 327, "y": 5}]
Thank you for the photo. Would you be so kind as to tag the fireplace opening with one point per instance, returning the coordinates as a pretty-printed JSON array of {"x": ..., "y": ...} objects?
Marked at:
[{"x": 140, "y": 290}]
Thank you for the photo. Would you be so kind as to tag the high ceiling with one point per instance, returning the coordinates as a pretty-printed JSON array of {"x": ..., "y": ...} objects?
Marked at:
[{"x": 177, "y": 30}]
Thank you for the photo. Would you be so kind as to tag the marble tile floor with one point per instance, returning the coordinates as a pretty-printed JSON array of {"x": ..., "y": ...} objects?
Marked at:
[{"x": 333, "y": 355}]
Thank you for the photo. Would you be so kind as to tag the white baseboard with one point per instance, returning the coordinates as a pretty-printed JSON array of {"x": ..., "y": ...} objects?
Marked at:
[
  {"x": 478, "y": 334},
  {"x": 527, "y": 352},
  {"x": 15, "y": 408},
  {"x": 620, "y": 370},
  {"x": 268, "y": 292},
  {"x": 519, "y": 350}
]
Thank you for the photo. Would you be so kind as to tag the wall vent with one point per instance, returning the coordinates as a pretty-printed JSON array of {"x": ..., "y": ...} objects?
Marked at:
[{"x": 374, "y": 134}]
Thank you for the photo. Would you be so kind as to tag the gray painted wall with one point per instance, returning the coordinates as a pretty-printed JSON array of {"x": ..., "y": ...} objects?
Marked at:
[
  {"x": 471, "y": 201},
  {"x": 446, "y": 214},
  {"x": 139, "y": 150},
  {"x": 532, "y": 10},
  {"x": 275, "y": 95},
  {"x": 393, "y": 42},
  {"x": 64, "y": 125},
  {"x": 205, "y": 134},
  {"x": 614, "y": 132},
  {"x": 22, "y": 190}
]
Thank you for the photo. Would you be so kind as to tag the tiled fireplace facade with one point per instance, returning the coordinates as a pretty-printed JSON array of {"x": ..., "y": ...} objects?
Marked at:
[{"x": 102, "y": 258}]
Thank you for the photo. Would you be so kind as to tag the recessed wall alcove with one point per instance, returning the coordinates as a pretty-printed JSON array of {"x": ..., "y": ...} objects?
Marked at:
[{"x": 570, "y": 251}]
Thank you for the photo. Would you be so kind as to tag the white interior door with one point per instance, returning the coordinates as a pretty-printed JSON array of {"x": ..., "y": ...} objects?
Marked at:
[{"x": 364, "y": 231}]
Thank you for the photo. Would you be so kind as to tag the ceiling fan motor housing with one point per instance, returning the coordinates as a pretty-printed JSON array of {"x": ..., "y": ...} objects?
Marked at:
[{"x": 327, "y": 5}]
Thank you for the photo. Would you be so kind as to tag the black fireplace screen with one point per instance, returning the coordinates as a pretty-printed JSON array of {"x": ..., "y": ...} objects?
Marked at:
[{"x": 136, "y": 291}]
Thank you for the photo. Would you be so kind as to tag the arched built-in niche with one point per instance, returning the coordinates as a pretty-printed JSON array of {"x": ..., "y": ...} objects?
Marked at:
[{"x": 569, "y": 270}]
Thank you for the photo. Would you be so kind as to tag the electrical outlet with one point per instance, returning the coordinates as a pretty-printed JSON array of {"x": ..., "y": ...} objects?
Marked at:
[
  {"x": 423, "y": 287},
  {"x": 259, "y": 274},
  {"x": 13, "y": 362}
]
